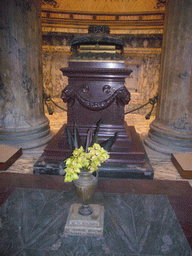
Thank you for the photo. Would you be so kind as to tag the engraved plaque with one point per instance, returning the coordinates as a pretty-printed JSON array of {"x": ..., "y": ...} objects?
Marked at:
[{"x": 79, "y": 225}]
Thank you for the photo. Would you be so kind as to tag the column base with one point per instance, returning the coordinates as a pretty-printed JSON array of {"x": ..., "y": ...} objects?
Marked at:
[
  {"x": 27, "y": 138},
  {"x": 167, "y": 140}
]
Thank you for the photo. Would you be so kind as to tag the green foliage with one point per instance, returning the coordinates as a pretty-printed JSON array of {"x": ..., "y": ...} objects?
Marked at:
[
  {"x": 92, "y": 137},
  {"x": 91, "y": 157}
]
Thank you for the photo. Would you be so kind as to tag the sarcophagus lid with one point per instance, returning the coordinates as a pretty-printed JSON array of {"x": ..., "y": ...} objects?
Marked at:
[{"x": 98, "y": 45}]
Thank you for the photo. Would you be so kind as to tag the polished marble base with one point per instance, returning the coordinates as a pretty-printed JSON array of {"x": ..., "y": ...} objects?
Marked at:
[
  {"x": 79, "y": 225},
  {"x": 129, "y": 171}
]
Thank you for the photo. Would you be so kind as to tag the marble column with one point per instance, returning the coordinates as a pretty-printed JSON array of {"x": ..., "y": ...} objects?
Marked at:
[
  {"x": 22, "y": 119},
  {"x": 171, "y": 131}
]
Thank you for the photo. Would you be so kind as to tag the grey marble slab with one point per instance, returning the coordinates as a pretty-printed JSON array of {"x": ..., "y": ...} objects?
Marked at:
[{"x": 32, "y": 223}]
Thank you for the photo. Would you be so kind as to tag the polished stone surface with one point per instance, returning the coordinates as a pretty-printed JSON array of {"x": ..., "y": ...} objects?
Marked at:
[
  {"x": 179, "y": 193},
  {"x": 32, "y": 223},
  {"x": 85, "y": 225}
]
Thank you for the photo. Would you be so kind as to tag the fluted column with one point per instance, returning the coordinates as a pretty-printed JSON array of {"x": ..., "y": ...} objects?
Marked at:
[
  {"x": 171, "y": 130},
  {"x": 22, "y": 119}
]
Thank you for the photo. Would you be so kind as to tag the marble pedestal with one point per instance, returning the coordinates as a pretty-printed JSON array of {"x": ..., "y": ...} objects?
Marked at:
[{"x": 79, "y": 225}]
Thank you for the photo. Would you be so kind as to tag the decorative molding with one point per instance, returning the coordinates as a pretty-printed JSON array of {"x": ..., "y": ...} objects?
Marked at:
[
  {"x": 61, "y": 19},
  {"x": 122, "y": 97},
  {"x": 53, "y": 3},
  {"x": 50, "y": 48},
  {"x": 141, "y": 51},
  {"x": 127, "y": 51},
  {"x": 160, "y": 3},
  {"x": 121, "y": 30}
]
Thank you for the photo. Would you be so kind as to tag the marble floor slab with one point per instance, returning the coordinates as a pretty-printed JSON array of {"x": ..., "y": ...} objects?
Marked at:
[
  {"x": 162, "y": 165},
  {"x": 32, "y": 223}
]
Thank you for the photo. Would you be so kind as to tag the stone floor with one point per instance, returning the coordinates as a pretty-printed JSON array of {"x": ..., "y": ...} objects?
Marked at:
[
  {"x": 33, "y": 221},
  {"x": 162, "y": 165}
]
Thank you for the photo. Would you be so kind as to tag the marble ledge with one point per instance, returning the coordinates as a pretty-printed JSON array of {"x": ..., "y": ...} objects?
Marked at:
[{"x": 48, "y": 29}]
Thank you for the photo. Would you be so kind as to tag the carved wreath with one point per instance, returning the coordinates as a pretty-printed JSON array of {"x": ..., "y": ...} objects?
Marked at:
[{"x": 122, "y": 97}]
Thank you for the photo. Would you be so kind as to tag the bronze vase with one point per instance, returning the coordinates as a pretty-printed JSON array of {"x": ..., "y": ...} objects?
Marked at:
[{"x": 85, "y": 188}]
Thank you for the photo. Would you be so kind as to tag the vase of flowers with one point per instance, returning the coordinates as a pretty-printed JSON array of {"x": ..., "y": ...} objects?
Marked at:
[{"x": 83, "y": 162}]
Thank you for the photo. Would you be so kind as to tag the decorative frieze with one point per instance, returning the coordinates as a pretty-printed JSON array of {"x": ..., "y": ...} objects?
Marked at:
[{"x": 120, "y": 21}]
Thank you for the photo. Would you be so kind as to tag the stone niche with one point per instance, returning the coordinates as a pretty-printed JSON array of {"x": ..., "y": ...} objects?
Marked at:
[{"x": 141, "y": 53}]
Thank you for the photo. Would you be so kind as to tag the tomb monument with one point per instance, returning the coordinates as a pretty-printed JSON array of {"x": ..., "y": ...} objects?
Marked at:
[{"x": 95, "y": 91}]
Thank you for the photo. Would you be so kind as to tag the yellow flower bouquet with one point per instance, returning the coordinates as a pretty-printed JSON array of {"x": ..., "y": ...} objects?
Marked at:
[
  {"x": 88, "y": 159},
  {"x": 84, "y": 161}
]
